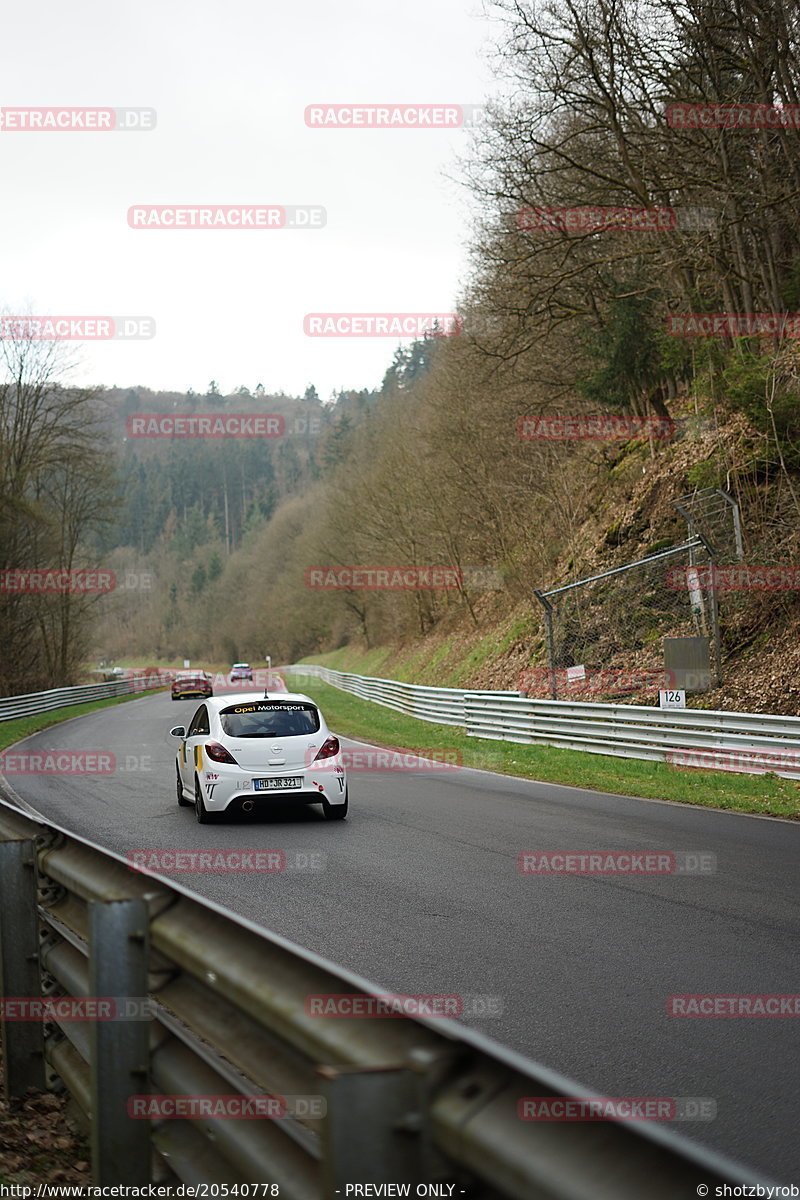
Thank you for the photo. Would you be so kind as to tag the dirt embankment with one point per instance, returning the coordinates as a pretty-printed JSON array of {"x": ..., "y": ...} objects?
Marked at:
[{"x": 631, "y": 514}]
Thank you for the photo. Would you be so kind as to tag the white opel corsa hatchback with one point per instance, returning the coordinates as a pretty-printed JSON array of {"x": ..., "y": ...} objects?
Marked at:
[{"x": 246, "y": 753}]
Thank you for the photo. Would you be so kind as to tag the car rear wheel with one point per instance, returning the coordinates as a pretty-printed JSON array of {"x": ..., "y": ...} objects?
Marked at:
[
  {"x": 200, "y": 810},
  {"x": 335, "y": 812},
  {"x": 184, "y": 803}
]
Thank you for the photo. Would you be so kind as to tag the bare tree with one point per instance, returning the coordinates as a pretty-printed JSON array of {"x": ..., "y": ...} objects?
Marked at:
[{"x": 56, "y": 489}]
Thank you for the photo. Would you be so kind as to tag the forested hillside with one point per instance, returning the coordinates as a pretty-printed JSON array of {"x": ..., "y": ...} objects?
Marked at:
[{"x": 635, "y": 252}]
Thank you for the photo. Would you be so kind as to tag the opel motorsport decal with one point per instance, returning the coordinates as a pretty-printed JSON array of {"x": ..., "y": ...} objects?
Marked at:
[{"x": 268, "y": 706}]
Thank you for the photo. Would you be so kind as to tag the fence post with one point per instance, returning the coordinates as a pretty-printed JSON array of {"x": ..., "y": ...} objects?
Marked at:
[
  {"x": 22, "y": 1041},
  {"x": 712, "y": 592},
  {"x": 118, "y": 954},
  {"x": 715, "y": 627},
  {"x": 551, "y": 652}
]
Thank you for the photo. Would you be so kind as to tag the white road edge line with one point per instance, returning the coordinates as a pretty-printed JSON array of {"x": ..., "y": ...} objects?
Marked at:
[
  {"x": 729, "y": 812},
  {"x": 572, "y": 787}
]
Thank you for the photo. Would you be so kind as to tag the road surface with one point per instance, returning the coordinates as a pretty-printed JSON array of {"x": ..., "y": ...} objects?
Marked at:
[{"x": 421, "y": 893}]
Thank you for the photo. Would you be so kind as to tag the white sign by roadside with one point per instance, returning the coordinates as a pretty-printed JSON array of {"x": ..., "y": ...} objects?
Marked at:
[{"x": 673, "y": 698}]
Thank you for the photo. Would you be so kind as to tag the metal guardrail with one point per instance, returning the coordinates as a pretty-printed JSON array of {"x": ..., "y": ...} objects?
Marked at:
[
  {"x": 40, "y": 702},
  {"x": 402, "y": 1100},
  {"x": 445, "y": 706},
  {"x": 751, "y": 742}
]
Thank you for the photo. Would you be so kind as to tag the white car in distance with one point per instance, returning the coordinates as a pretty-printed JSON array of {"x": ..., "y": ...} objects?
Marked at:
[{"x": 247, "y": 754}]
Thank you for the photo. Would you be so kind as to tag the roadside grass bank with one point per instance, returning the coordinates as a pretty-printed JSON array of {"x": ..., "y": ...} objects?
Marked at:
[
  {"x": 22, "y": 727},
  {"x": 349, "y": 716}
]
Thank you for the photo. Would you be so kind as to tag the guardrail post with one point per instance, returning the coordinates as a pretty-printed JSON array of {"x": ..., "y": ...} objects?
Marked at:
[
  {"x": 118, "y": 953},
  {"x": 23, "y": 1049},
  {"x": 373, "y": 1129}
]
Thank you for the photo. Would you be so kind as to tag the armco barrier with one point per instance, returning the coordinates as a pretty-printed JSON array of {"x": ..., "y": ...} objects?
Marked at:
[
  {"x": 752, "y": 742},
  {"x": 442, "y": 705},
  {"x": 40, "y": 702},
  {"x": 400, "y": 1100}
]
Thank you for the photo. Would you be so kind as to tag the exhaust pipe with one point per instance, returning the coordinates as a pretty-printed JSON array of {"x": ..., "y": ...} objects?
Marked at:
[{"x": 247, "y": 806}]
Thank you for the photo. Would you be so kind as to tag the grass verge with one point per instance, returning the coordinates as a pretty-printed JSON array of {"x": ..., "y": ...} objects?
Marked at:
[{"x": 767, "y": 795}]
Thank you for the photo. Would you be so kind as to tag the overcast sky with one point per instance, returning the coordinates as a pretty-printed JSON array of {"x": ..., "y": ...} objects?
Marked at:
[{"x": 230, "y": 83}]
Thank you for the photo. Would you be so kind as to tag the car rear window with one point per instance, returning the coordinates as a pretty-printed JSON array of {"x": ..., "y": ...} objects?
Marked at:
[{"x": 266, "y": 718}]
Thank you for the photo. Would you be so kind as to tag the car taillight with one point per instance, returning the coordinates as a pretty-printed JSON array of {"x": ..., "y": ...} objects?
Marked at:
[
  {"x": 219, "y": 753},
  {"x": 328, "y": 748}
]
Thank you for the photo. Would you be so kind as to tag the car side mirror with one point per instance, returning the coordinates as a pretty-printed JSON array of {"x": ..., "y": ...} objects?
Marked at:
[{"x": 178, "y": 731}]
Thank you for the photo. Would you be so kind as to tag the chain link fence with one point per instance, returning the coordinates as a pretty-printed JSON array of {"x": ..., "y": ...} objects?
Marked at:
[
  {"x": 749, "y": 594},
  {"x": 713, "y": 515},
  {"x": 605, "y": 633}
]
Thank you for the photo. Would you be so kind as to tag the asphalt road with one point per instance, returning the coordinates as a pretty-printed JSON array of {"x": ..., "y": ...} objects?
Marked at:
[{"x": 421, "y": 893}]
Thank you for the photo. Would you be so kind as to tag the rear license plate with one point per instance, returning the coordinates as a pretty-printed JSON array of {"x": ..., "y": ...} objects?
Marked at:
[{"x": 280, "y": 781}]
